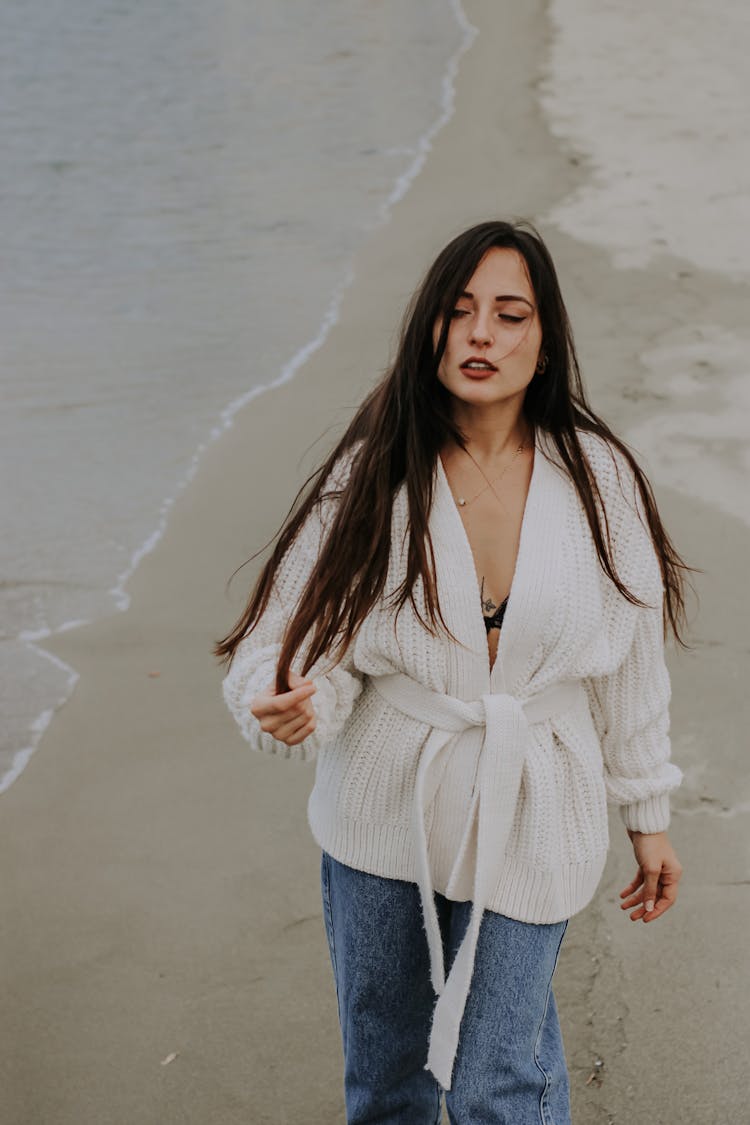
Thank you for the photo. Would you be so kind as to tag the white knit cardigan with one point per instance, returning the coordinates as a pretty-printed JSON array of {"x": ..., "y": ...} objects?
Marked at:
[{"x": 566, "y": 624}]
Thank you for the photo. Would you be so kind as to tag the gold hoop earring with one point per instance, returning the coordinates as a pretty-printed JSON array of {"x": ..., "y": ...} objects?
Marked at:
[{"x": 541, "y": 364}]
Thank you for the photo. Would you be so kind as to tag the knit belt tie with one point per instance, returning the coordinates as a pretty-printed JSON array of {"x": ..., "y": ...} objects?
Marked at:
[{"x": 507, "y": 722}]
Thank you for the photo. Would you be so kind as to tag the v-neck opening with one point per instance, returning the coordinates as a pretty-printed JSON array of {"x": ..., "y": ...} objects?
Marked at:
[{"x": 495, "y": 668}]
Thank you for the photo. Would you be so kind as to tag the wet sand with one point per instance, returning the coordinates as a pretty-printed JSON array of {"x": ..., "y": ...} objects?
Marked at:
[{"x": 163, "y": 955}]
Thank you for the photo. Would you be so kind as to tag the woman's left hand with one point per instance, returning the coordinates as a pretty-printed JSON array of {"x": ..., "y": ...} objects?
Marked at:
[{"x": 654, "y": 888}]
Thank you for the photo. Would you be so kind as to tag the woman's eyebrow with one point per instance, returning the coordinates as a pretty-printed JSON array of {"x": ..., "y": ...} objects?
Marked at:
[{"x": 502, "y": 297}]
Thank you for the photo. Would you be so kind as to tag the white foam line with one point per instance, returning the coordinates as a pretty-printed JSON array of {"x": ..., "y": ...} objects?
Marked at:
[
  {"x": 448, "y": 103},
  {"x": 226, "y": 418},
  {"x": 331, "y": 316},
  {"x": 21, "y": 757}
]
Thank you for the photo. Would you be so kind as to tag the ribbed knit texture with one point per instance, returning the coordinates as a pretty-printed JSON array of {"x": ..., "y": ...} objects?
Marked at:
[{"x": 565, "y": 621}]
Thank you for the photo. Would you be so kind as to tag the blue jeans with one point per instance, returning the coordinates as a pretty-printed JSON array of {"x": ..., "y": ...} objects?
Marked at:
[{"x": 510, "y": 1067}]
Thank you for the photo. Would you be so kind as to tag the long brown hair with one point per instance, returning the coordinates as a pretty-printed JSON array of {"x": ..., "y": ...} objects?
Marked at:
[{"x": 395, "y": 437}]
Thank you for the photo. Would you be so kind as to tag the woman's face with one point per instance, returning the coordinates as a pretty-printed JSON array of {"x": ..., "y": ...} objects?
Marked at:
[{"x": 495, "y": 335}]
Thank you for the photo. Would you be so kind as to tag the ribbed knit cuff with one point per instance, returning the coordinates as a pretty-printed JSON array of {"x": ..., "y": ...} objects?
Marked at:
[{"x": 651, "y": 815}]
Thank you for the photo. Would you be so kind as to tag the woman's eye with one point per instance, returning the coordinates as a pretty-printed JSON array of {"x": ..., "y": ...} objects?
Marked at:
[
  {"x": 512, "y": 319},
  {"x": 459, "y": 312}
]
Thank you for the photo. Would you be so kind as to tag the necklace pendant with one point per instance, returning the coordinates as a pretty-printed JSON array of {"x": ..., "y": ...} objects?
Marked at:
[{"x": 461, "y": 502}]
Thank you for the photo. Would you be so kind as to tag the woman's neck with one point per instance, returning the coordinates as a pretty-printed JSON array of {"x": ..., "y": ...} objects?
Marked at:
[{"x": 491, "y": 432}]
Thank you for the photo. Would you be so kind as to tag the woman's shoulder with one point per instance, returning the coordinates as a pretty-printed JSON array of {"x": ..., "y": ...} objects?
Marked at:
[
  {"x": 619, "y": 481},
  {"x": 600, "y": 450},
  {"x": 332, "y": 484},
  {"x": 613, "y": 470},
  {"x": 341, "y": 469}
]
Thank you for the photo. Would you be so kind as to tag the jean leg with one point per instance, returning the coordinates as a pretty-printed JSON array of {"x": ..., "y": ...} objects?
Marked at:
[
  {"x": 510, "y": 1067},
  {"x": 381, "y": 968},
  {"x": 550, "y": 1057}
]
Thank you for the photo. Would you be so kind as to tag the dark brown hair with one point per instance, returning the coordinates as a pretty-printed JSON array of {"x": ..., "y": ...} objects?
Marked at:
[{"x": 398, "y": 432}]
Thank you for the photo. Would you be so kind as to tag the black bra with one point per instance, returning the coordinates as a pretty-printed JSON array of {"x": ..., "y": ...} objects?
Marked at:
[{"x": 496, "y": 620}]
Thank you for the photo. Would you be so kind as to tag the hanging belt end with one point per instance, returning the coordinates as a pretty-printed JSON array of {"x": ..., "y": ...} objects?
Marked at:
[{"x": 440, "y": 1065}]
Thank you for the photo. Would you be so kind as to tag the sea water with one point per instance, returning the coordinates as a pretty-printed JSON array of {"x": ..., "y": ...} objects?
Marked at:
[{"x": 183, "y": 188}]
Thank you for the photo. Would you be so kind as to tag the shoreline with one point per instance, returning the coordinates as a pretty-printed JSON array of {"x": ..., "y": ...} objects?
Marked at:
[
  {"x": 162, "y": 882},
  {"x": 34, "y": 639}
]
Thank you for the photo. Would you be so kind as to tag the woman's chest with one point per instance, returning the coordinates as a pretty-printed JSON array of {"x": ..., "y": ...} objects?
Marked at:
[
  {"x": 491, "y": 512},
  {"x": 493, "y": 535},
  {"x": 543, "y": 558}
]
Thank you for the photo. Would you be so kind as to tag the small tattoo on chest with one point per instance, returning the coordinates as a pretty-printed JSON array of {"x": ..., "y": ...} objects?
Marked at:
[{"x": 487, "y": 603}]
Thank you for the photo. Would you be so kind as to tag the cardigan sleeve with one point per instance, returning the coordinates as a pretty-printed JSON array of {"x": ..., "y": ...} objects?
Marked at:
[
  {"x": 630, "y": 704},
  {"x": 253, "y": 667},
  {"x": 630, "y": 708}
]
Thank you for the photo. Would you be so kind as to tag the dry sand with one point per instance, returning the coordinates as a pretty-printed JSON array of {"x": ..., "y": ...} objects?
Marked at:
[{"x": 163, "y": 956}]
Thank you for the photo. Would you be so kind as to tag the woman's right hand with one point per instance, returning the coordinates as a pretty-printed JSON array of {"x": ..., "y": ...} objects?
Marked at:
[{"x": 290, "y": 715}]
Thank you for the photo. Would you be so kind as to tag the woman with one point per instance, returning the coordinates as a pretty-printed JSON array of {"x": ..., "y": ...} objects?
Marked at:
[{"x": 473, "y": 593}]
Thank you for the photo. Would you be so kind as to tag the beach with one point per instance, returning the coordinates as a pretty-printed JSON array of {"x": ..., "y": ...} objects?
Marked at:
[{"x": 162, "y": 950}]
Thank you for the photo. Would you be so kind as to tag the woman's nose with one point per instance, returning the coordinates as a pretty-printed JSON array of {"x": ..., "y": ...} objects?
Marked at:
[{"x": 481, "y": 333}]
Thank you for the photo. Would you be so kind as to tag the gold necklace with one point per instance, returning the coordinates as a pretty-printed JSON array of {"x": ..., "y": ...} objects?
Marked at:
[{"x": 463, "y": 502}]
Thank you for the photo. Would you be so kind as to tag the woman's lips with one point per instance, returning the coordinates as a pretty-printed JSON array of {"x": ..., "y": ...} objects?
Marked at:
[{"x": 478, "y": 372}]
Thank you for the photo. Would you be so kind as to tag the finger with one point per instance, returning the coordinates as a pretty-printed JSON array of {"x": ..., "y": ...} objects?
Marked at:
[
  {"x": 271, "y": 720},
  {"x": 286, "y": 723},
  {"x": 633, "y": 900},
  {"x": 673, "y": 874},
  {"x": 661, "y": 906},
  {"x": 280, "y": 725},
  {"x": 302, "y": 710},
  {"x": 271, "y": 702},
  {"x": 300, "y": 733},
  {"x": 289, "y": 731},
  {"x": 651, "y": 888},
  {"x": 289, "y": 703},
  {"x": 290, "y": 698},
  {"x": 667, "y": 898},
  {"x": 633, "y": 885}
]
